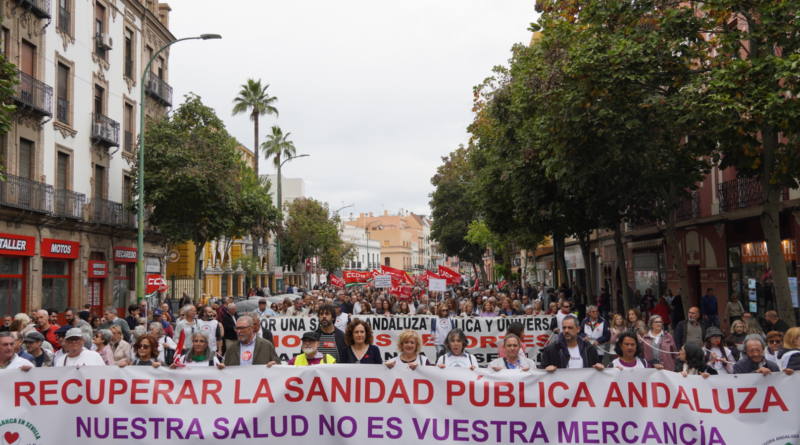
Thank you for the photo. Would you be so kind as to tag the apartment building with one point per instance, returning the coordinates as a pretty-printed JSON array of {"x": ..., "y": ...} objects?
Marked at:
[
  {"x": 404, "y": 239},
  {"x": 67, "y": 230}
]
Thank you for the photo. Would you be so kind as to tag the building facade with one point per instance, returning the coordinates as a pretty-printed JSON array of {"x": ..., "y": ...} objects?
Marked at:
[
  {"x": 404, "y": 239},
  {"x": 67, "y": 231},
  {"x": 366, "y": 252}
]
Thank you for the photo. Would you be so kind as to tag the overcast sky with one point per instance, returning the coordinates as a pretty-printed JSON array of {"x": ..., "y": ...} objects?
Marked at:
[{"x": 375, "y": 91}]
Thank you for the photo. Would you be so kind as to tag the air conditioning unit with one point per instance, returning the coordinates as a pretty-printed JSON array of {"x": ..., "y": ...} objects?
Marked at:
[{"x": 104, "y": 41}]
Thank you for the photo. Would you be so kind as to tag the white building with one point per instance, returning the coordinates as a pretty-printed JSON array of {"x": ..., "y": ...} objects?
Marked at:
[
  {"x": 71, "y": 148},
  {"x": 366, "y": 254},
  {"x": 291, "y": 189}
]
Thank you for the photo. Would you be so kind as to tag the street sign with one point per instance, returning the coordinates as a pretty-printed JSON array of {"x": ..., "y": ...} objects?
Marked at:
[
  {"x": 278, "y": 270},
  {"x": 383, "y": 281}
]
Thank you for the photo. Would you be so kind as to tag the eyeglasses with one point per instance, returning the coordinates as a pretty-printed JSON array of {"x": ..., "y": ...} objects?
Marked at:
[
  {"x": 774, "y": 342},
  {"x": 143, "y": 346}
]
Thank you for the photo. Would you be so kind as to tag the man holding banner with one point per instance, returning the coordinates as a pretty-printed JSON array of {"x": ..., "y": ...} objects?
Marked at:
[{"x": 570, "y": 351}]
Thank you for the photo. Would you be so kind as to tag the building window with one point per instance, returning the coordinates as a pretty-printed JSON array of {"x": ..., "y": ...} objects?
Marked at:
[
  {"x": 62, "y": 171},
  {"x": 128, "y": 123},
  {"x": 55, "y": 284},
  {"x": 62, "y": 94},
  {"x": 124, "y": 279},
  {"x": 99, "y": 96},
  {"x": 25, "y": 160},
  {"x": 100, "y": 31},
  {"x": 27, "y": 59},
  {"x": 12, "y": 284},
  {"x": 64, "y": 17},
  {"x": 387, "y": 261},
  {"x": 128, "y": 69},
  {"x": 99, "y": 182},
  {"x": 127, "y": 190},
  {"x": 5, "y": 44}
]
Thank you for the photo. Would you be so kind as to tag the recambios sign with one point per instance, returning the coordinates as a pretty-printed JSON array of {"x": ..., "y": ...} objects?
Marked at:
[{"x": 125, "y": 254}]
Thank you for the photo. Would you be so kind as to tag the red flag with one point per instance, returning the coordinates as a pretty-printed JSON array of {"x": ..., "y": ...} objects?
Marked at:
[
  {"x": 375, "y": 273},
  {"x": 452, "y": 276},
  {"x": 501, "y": 284},
  {"x": 355, "y": 276},
  {"x": 335, "y": 281},
  {"x": 179, "y": 348},
  {"x": 477, "y": 285},
  {"x": 397, "y": 273}
]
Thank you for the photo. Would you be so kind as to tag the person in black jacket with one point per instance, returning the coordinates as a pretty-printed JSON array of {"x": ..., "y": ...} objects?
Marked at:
[
  {"x": 331, "y": 339},
  {"x": 693, "y": 329},
  {"x": 228, "y": 319},
  {"x": 360, "y": 349},
  {"x": 569, "y": 350}
]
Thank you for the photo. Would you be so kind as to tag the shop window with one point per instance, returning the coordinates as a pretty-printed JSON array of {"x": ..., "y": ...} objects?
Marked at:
[
  {"x": 12, "y": 285},
  {"x": 123, "y": 284},
  {"x": 55, "y": 284}
]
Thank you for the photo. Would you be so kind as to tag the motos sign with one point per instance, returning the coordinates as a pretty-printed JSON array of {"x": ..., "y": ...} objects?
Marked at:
[{"x": 56, "y": 248}]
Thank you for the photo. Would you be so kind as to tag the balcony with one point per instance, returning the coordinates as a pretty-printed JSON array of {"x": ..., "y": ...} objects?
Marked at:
[
  {"x": 105, "y": 131},
  {"x": 26, "y": 194},
  {"x": 741, "y": 193},
  {"x": 689, "y": 208},
  {"x": 112, "y": 213},
  {"x": 68, "y": 204},
  {"x": 64, "y": 20},
  {"x": 39, "y": 8},
  {"x": 62, "y": 110},
  {"x": 33, "y": 95},
  {"x": 158, "y": 89}
]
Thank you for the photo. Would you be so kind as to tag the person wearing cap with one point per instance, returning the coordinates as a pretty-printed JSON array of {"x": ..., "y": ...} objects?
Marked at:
[
  {"x": 264, "y": 310},
  {"x": 250, "y": 349},
  {"x": 33, "y": 344},
  {"x": 310, "y": 354},
  {"x": 9, "y": 359},
  {"x": 717, "y": 355},
  {"x": 74, "y": 354}
]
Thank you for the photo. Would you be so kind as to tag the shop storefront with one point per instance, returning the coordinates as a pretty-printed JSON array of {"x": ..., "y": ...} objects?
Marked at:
[
  {"x": 575, "y": 265},
  {"x": 750, "y": 277},
  {"x": 58, "y": 258},
  {"x": 124, "y": 278},
  {"x": 97, "y": 273},
  {"x": 15, "y": 253}
]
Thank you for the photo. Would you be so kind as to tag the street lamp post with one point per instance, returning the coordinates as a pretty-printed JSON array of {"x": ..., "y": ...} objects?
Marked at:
[
  {"x": 279, "y": 281},
  {"x": 140, "y": 287}
]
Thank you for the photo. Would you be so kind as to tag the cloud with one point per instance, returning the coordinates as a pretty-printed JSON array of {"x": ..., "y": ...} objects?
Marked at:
[{"x": 375, "y": 91}]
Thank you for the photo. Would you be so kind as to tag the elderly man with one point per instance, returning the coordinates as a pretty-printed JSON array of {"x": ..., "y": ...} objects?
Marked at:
[
  {"x": 310, "y": 354},
  {"x": 33, "y": 344},
  {"x": 112, "y": 319},
  {"x": 297, "y": 309},
  {"x": 753, "y": 360},
  {"x": 691, "y": 330},
  {"x": 47, "y": 329},
  {"x": 8, "y": 356},
  {"x": 250, "y": 349},
  {"x": 228, "y": 319},
  {"x": 6, "y": 325},
  {"x": 595, "y": 329},
  {"x": 74, "y": 354},
  {"x": 570, "y": 351}
]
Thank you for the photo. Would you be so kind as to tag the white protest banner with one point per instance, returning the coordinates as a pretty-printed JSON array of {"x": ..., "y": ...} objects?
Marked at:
[
  {"x": 383, "y": 281},
  {"x": 437, "y": 285},
  {"x": 484, "y": 334},
  {"x": 369, "y": 404}
]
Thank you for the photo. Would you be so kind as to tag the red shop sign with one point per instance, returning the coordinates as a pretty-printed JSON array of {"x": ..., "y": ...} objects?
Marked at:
[
  {"x": 98, "y": 269},
  {"x": 125, "y": 254},
  {"x": 57, "y": 248},
  {"x": 17, "y": 245}
]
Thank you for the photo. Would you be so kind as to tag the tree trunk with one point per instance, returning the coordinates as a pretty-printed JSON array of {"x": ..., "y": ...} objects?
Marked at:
[
  {"x": 561, "y": 275},
  {"x": 484, "y": 276},
  {"x": 256, "y": 239},
  {"x": 583, "y": 239},
  {"x": 677, "y": 258},
  {"x": 770, "y": 224},
  {"x": 621, "y": 268},
  {"x": 198, "y": 254}
]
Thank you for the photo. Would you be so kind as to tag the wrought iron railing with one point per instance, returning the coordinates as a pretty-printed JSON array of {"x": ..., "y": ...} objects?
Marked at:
[
  {"x": 158, "y": 89},
  {"x": 34, "y": 94},
  {"x": 112, "y": 213},
  {"x": 64, "y": 20},
  {"x": 689, "y": 208},
  {"x": 68, "y": 204},
  {"x": 128, "y": 142},
  {"x": 105, "y": 130},
  {"x": 27, "y": 194},
  {"x": 39, "y": 8},
  {"x": 62, "y": 110},
  {"x": 741, "y": 193}
]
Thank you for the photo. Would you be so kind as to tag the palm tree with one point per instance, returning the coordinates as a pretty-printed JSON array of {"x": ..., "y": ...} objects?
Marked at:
[
  {"x": 278, "y": 146},
  {"x": 254, "y": 98}
]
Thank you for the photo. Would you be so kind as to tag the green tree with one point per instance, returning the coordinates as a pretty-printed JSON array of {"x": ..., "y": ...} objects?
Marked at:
[
  {"x": 253, "y": 98},
  {"x": 749, "y": 96},
  {"x": 452, "y": 210},
  {"x": 192, "y": 172},
  {"x": 255, "y": 213},
  {"x": 310, "y": 232}
]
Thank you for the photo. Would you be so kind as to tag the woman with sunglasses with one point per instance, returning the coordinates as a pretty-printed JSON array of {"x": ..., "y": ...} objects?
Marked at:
[{"x": 145, "y": 352}]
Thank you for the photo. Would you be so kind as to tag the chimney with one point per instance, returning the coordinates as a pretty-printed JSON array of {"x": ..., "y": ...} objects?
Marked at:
[
  {"x": 163, "y": 14},
  {"x": 385, "y": 213},
  {"x": 361, "y": 215},
  {"x": 370, "y": 215}
]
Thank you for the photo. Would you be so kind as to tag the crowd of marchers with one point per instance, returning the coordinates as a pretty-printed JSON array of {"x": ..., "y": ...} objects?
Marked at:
[{"x": 219, "y": 335}]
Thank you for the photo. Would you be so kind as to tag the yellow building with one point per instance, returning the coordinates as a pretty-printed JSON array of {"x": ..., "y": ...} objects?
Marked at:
[{"x": 402, "y": 238}]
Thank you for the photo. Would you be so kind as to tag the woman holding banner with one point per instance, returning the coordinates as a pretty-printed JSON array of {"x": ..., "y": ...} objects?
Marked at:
[
  {"x": 456, "y": 355},
  {"x": 513, "y": 359},
  {"x": 409, "y": 346},
  {"x": 199, "y": 354},
  {"x": 628, "y": 353},
  {"x": 358, "y": 337}
]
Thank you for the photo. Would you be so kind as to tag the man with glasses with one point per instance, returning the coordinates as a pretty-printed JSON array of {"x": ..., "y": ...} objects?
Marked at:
[
  {"x": 74, "y": 354},
  {"x": 595, "y": 330},
  {"x": 564, "y": 310},
  {"x": 249, "y": 348}
]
